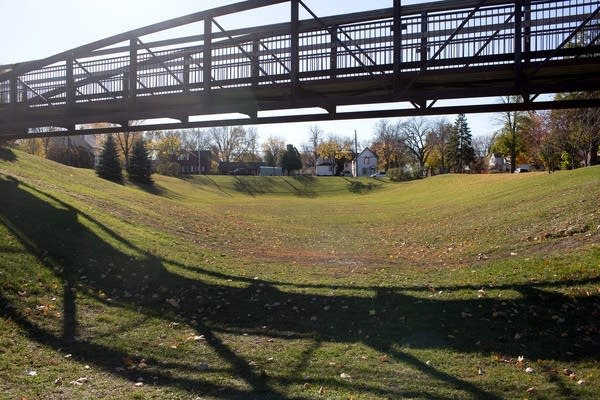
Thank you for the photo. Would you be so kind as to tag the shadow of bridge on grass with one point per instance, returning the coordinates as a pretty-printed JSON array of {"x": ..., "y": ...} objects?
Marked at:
[
  {"x": 93, "y": 261},
  {"x": 7, "y": 155}
]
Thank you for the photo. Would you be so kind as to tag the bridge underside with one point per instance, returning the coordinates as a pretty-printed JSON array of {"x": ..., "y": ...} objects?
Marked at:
[{"x": 315, "y": 68}]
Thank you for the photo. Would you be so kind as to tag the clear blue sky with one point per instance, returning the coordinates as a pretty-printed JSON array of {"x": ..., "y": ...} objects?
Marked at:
[{"x": 33, "y": 29}]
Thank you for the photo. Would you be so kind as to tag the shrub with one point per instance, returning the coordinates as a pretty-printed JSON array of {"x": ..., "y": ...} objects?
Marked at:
[
  {"x": 359, "y": 187},
  {"x": 169, "y": 168},
  {"x": 405, "y": 173}
]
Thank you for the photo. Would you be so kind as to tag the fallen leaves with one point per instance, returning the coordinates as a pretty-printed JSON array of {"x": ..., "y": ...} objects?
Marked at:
[
  {"x": 80, "y": 381},
  {"x": 195, "y": 338},
  {"x": 173, "y": 302},
  {"x": 521, "y": 363}
]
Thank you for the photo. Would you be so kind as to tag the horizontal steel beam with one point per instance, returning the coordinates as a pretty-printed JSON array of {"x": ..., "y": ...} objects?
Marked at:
[{"x": 408, "y": 112}]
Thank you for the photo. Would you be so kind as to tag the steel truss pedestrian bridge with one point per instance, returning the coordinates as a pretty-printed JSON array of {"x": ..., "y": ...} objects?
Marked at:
[{"x": 415, "y": 57}]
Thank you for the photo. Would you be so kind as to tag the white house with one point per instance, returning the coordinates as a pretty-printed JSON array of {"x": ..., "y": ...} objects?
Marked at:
[
  {"x": 324, "y": 168},
  {"x": 365, "y": 163},
  {"x": 498, "y": 163}
]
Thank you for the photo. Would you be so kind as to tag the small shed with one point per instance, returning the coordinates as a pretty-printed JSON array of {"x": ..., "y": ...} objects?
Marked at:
[
  {"x": 325, "y": 168},
  {"x": 270, "y": 171}
]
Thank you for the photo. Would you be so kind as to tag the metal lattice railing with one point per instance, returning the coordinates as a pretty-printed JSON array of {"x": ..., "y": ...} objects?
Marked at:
[{"x": 429, "y": 41}]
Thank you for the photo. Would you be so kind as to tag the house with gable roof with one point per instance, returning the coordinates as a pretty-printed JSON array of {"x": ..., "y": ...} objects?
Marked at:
[{"x": 365, "y": 163}]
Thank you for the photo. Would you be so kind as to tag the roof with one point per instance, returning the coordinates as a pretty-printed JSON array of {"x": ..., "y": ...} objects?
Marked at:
[{"x": 366, "y": 149}]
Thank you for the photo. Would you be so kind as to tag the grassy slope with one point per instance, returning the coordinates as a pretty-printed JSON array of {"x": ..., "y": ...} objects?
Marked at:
[{"x": 410, "y": 288}]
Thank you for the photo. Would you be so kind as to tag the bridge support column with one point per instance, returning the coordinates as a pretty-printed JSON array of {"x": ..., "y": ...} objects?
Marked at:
[
  {"x": 424, "y": 50},
  {"x": 186, "y": 74},
  {"x": 13, "y": 92},
  {"x": 207, "y": 56},
  {"x": 518, "y": 41},
  {"x": 333, "y": 57},
  {"x": 397, "y": 26},
  {"x": 526, "y": 43},
  {"x": 522, "y": 45},
  {"x": 295, "y": 42},
  {"x": 132, "y": 81},
  {"x": 70, "y": 84},
  {"x": 255, "y": 67}
]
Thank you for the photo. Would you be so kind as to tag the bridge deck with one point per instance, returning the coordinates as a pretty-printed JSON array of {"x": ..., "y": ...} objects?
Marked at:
[{"x": 415, "y": 54}]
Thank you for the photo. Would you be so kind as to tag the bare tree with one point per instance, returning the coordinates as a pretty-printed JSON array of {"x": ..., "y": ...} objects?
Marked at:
[
  {"x": 250, "y": 148},
  {"x": 440, "y": 138},
  {"x": 229, "y": 143},
  {"x": 388, "y": 144},
  {"x": 195, "y": 139},
  {"x": 414, "y": 133},
  {"x": 273, "y": 148},
  {"x": 483, "y": 145},
  {"x": 315, "y": 139},
  {"x": 125, "y": 141},
  {"x": 316, "y": 136}
]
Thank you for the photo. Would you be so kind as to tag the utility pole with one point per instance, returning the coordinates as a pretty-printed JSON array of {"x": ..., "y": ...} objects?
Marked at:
[
  {"x": 198, "y": 132},
  {"x": 355, "y": 161}
]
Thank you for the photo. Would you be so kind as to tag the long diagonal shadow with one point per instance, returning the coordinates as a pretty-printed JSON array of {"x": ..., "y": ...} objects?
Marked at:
[
  {"x": 382, "y": 323},
  {"x": 63, "y": 218}
]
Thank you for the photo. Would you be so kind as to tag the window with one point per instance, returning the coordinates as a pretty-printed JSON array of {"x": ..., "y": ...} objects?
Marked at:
[{"x": 367, "y": 161}]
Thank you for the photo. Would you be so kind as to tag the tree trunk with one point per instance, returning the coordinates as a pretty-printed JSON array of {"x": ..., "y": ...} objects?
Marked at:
[{"x": 594, "y": 152}]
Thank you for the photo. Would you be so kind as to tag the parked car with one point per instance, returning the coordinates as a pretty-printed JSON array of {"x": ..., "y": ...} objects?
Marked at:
[
  {"x": 379, "y": 174},
  {"x": 521, "y": 170}
]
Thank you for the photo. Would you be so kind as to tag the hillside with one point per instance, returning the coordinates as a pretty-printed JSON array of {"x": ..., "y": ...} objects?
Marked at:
[{"x": 298, "y": 288}]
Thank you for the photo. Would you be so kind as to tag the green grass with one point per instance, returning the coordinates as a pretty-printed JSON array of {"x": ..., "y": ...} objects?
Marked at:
[{"x": 272, "y": 288}]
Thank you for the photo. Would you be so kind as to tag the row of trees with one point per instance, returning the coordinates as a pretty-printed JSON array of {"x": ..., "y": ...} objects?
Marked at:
[
  {"x": 550, "y": 139},
  {"x": 425, "y": 145},
  {"x": 554, "y": 139},
  {"x": 545, "y": 140},
  {"x": 137, "y": 164},
  {"x": 226, "y": 144}
]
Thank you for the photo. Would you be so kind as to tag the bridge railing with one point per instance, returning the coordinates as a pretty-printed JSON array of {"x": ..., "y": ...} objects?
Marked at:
[{"x": 482, "y": 34}]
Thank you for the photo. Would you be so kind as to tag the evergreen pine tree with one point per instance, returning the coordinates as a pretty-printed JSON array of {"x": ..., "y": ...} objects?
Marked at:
[
  {"x": 109, "y": 166},
  {"x": 139, "y": 168},
  {"x": 460, "y": 151},
  {"x": 290, "y": 159}
]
